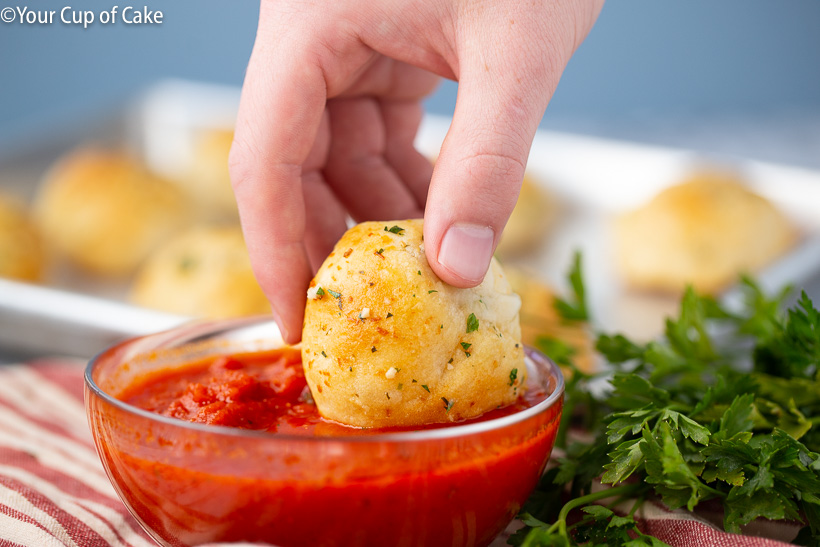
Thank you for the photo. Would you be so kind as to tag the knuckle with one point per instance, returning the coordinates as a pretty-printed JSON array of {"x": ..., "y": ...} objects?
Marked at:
[
  {"x": 251, "y": 167},
  {"x": 239, "y": 162},
  {"x": 494, "y": 178},
  {"x": 493, "y": 165}
]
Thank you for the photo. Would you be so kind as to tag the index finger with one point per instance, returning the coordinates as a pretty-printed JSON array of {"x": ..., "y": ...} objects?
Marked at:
[{"x": 280, "y": 110}]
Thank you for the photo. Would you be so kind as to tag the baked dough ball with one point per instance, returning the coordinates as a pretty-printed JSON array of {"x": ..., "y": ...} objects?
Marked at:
[
  {"x": 21, "y": 248},
  {"x": 387, "y": 343},
  {"x": 105, "y": 212},
  {"x": 530, "y": 222},
  {"x": 704, "y": 231},
  {"x": 208, "y": 183},
  {"x": 539, "y": 319},
  {"x": 203, "y": 272}
]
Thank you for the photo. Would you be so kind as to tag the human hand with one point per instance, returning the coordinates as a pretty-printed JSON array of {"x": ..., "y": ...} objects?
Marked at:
[{"x": 330, "y": 107}]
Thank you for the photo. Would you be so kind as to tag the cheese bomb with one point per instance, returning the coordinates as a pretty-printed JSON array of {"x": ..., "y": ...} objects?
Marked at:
[
  {"x": 386, "y": 343},
  {"x": 201, "y": 272},
  {"x": 105, "y": 212},
  {"x": 21, "y": 248},
  {"x": 705, "y": 231}
]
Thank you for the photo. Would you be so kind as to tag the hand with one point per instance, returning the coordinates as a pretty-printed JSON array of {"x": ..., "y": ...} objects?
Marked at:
[{"x": 330, "y": 107}]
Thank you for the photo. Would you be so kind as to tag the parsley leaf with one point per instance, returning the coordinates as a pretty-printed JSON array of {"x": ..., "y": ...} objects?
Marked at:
[
  {"x": 472, "y": 323},
  {"x": 513, "y": 376}
]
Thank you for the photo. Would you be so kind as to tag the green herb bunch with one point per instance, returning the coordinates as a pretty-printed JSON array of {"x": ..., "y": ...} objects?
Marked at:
[{"x": 724, "y": 407}]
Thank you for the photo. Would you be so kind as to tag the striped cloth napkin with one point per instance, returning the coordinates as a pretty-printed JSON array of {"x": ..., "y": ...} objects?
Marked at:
[{"x": 54, "y": 492}]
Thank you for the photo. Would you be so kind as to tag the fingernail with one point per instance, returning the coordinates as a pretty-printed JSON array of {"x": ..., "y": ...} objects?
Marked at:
[{"x": 466, "y": 251}]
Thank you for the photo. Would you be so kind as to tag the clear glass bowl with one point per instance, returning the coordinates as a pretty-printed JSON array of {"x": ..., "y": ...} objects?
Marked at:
[{"x": 189, "y": 484}]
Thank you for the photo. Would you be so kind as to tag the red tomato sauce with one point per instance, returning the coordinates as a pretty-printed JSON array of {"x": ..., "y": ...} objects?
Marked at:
[
  {"x": 187, "y": 486},
  {"x": 262, "y": 391}
]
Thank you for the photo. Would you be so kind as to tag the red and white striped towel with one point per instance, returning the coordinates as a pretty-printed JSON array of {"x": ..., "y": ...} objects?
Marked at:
[{"x": 54, "y": 492}]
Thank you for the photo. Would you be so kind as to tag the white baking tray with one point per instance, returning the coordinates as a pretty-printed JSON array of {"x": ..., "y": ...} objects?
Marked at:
[{"x": 595, "y": 179}]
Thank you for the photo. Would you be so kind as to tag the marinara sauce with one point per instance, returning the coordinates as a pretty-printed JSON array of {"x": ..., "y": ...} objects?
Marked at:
[
  {"x": 283, "y": 485},
  {"x": 263, "y": 391}
]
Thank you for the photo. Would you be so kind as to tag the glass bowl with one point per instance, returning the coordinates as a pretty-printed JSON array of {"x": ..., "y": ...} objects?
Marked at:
[{"x": 189, "y": 483}]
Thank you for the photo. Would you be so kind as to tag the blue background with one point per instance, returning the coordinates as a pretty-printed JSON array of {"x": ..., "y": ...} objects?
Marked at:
[{"x": 651, "y": 70}]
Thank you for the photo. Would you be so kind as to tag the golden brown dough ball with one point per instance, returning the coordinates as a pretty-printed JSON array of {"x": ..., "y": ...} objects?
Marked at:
[
  {"x": 208, "y": 182},
  {"x": 704, "y": 231},
  {"x": 21, "y": 248},
  {"x": 204, "y": 272},
  {"x": 387, "y": 343},
  {"x": 530, "y": 222},
  {"x": 105, "y": 212}
]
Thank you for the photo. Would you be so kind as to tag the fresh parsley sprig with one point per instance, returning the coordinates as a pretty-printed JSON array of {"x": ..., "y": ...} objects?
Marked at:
[
  {"x": 574, "y": 309},
  {"x": 725, "y": 406}
]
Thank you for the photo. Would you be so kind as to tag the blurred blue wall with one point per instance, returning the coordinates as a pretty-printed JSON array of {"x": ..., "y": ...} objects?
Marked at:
[{"x": 643, "y": 58}]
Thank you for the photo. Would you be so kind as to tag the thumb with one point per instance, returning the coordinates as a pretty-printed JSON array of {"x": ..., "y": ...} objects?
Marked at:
[
  {"x": 510, "y": 58},
  {"x": 479, "y": 171}
]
